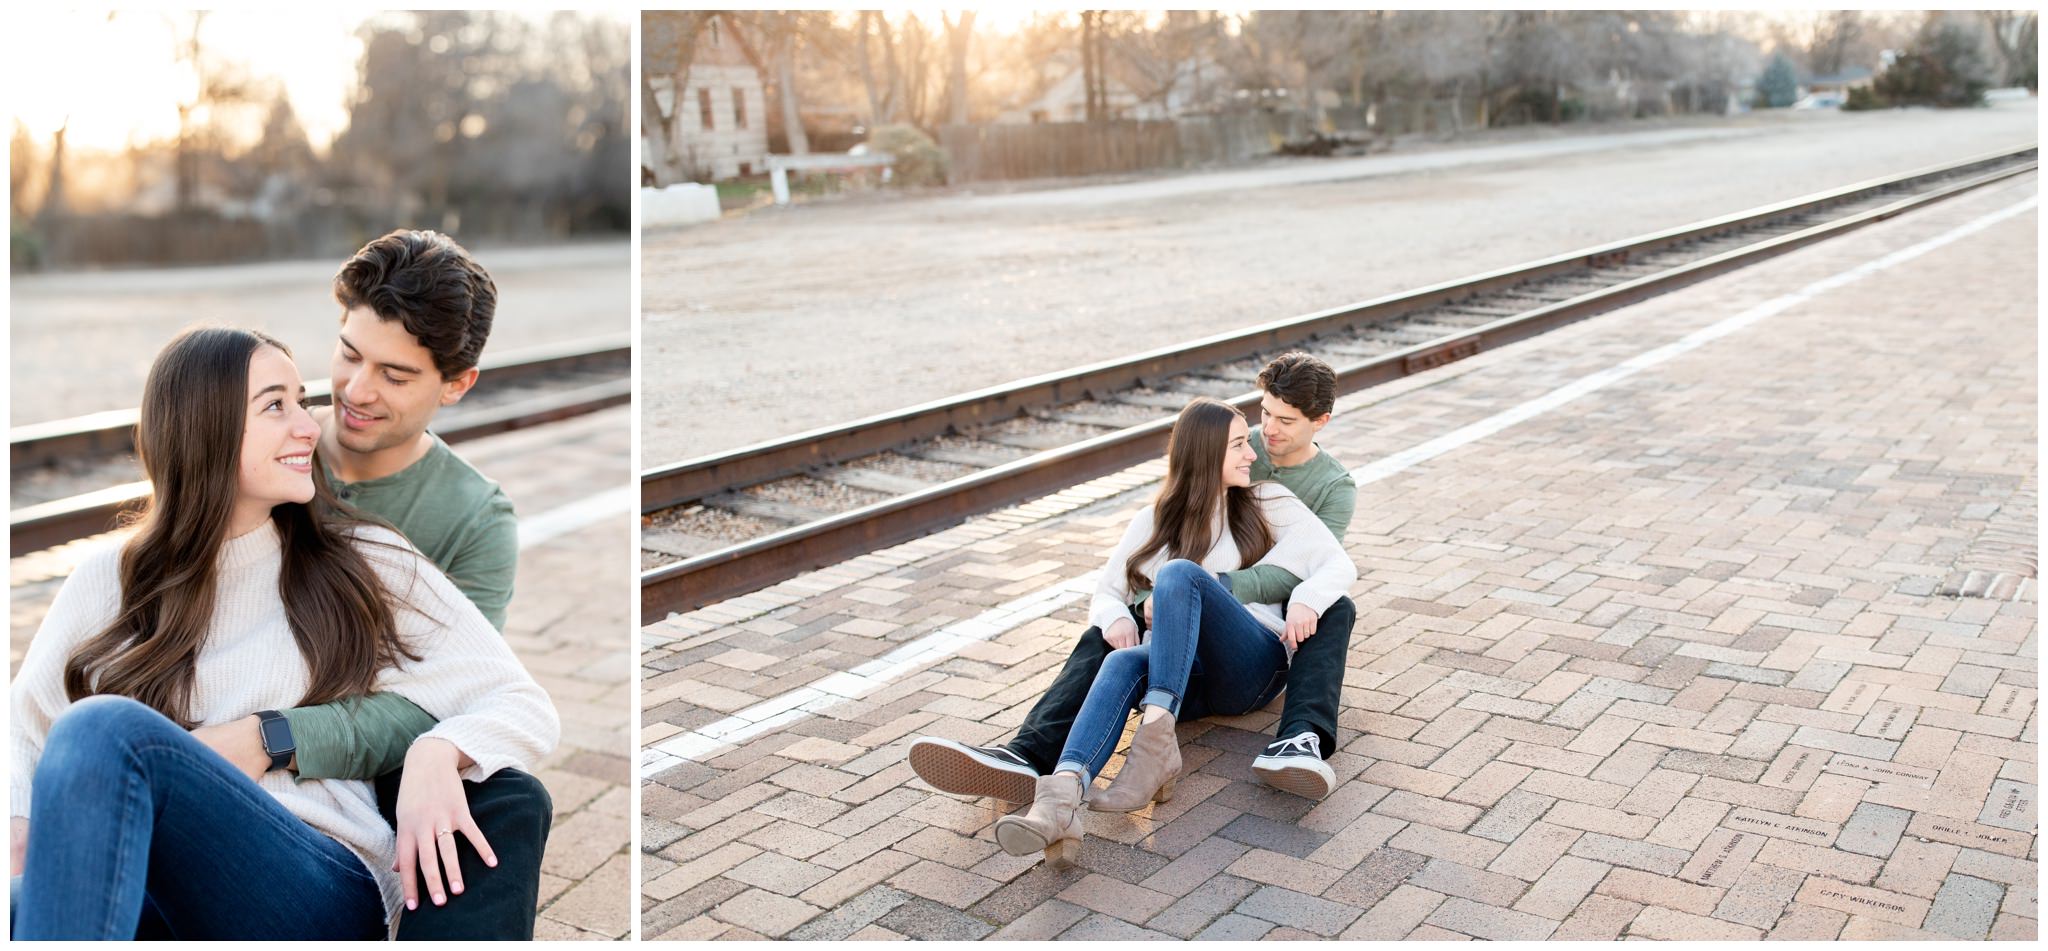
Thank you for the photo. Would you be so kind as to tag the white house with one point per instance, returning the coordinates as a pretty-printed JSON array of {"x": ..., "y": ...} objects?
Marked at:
[{"x": 722, "y": 127}]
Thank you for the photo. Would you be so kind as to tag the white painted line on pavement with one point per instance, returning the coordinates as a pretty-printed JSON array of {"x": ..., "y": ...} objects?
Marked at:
[
  {"x": 701, "y": 743},
  {"x": 556, "y": 522}
]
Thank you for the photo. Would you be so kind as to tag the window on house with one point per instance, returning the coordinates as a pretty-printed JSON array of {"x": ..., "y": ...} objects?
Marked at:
[
  {"x": 704, "y": 109},
  {"x": 739, "y": 108}
]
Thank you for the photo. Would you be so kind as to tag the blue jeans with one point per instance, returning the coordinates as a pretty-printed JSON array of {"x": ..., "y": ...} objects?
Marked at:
[
  {"x": 1207, "y": 655},
  {"x": 131, "y": 814}
]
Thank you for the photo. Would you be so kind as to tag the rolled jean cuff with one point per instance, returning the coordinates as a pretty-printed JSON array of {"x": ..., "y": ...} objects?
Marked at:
[
  {"x": 1157, "y": 697},
  {"x": 1067, "y": 765}
]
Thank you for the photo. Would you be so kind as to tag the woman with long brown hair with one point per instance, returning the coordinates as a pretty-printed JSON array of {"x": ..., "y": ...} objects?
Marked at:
[
  {"x": 1206, "y": 653},
  {"x": 246, "y": 588}
]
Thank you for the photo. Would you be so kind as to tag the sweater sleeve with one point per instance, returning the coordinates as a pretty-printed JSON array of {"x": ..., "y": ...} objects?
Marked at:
[
  {"x": 84, "y": 606},
  {"x": 1112, "y": 595},
  {"x": 1303, "y": 545},
  {"x": 466, "y": 676}
]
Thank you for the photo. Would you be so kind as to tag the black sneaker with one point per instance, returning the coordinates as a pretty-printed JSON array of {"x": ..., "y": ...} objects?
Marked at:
[
  {"x": 954, "y": 767},
  {"x": 1296, "y": 765}
]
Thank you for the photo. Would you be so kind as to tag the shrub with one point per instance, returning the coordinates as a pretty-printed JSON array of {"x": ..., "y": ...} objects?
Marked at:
[
  {"x": 1942, "y": 68},
  {"x": 1779, "y": 85},
  {"x": 919, "y": 160}
]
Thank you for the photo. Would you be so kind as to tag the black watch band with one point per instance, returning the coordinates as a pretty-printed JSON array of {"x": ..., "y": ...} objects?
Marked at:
[{"x": 276, "y": 732}]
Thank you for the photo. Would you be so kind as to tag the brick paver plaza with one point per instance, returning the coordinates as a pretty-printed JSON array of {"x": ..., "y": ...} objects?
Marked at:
[{"x": 1670, "y": 660}]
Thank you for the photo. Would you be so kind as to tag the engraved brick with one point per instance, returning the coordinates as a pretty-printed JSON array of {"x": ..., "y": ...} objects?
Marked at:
[
  {"x": 1781, "y": 826},
  {"x": 1858, "y": 900},
  {"x": 2010, "y": 806},
  {"x": 1795, "y": 768},
  {"x": 1722, "y": 858},
  {"x": 1879, "y": 771},
  {"x": 1969, "y": 834},
  {"x": 1888, "y": 720}
]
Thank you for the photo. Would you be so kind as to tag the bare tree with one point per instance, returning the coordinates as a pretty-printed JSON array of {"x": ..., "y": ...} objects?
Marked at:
[
  {"x": 2017, "y": 36},
  {"x": 672, "y": 37},
  {"x": 1836, "y": 36},
  {"x": 959, "y": 34}
]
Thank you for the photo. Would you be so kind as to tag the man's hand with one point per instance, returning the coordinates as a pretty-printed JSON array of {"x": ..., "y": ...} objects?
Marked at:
[
  {"x": 240, "y": 742},
  {"x": 432, "y": 810},
  {"x": 1122, "y": 633},
  {"x": 1301, "y": 624},
  {"x": 17, "y": 828}
]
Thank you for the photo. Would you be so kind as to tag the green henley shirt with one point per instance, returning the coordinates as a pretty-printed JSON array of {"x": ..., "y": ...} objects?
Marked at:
[{"x": 464, "y": 524}]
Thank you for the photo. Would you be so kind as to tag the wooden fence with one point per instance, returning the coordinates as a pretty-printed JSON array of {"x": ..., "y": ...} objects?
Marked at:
[{"x": 982, "y": 153}]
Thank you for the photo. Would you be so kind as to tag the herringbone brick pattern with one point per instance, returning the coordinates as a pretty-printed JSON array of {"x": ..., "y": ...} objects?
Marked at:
[{"x": 1667, "y": 662}]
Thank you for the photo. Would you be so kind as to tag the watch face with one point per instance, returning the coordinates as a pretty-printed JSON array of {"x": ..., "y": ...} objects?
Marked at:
[{"x": 277, "y": 735}]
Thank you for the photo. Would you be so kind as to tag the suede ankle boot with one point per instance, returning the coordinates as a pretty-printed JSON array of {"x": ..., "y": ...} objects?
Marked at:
[
  {"x": 1052, "y": 824},
  {"x": 1149, "y": 773}
]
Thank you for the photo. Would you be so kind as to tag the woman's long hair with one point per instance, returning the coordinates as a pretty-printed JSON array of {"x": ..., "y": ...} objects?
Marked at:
[
  {"x": 1184, "y": 514},
  {"x": 194, "y": 412}
]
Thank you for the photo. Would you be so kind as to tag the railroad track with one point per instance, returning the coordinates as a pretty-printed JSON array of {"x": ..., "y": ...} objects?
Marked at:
[
  {"x": 73, "y": 478},
  {"x": 735, "y": 522}
]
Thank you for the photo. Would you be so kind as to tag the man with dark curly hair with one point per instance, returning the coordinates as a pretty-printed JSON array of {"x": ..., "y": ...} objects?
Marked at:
[
  {"x": 1300, "y": 394},
  {"x": 416, "y": 310}
]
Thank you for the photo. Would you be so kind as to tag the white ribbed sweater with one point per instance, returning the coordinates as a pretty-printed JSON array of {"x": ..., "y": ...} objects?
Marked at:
[
  {"x": 466, "y": 677},
  {"x": 1302, "y": 544}
]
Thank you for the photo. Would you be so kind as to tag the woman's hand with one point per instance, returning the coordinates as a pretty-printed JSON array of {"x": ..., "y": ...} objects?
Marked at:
[
  {"x": 1301, "y": 624},
  {"x": 17, "y": 834},
  {"x": 432, "y": 810},
  {"x": 1122, "y": 633}
]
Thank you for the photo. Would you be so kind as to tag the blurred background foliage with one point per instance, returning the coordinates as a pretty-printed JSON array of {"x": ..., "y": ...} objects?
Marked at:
[{"x": 496, "y": 127}]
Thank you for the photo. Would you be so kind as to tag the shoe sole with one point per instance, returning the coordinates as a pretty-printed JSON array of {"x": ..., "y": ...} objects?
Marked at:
[
  {"x": 949, "y": 770},
  {"x": 1300, "y": 781}
]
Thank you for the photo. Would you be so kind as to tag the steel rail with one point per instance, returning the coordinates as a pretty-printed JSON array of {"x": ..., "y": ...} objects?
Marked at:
[
  {"x": 48, "y": 524},
  {"x": 113, "y": 431},
  {"x": 750, "y": 565},
  {"x": 672, "y": 485}
]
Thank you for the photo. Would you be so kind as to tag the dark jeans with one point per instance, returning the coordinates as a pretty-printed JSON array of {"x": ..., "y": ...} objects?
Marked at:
[
  {"x": 514, "y": 812},
  {"x": 1314, "y": 683},
  {"x": 137, "y": 827},
  {"x": 1207, "y": 656}
]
